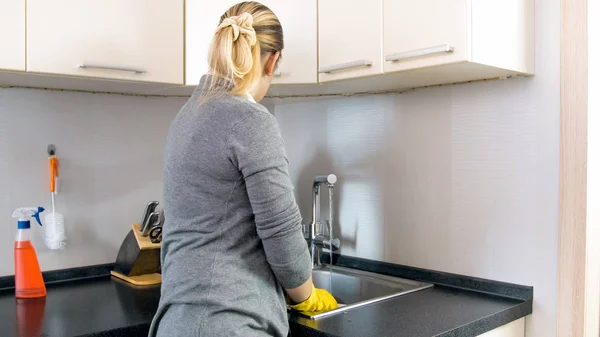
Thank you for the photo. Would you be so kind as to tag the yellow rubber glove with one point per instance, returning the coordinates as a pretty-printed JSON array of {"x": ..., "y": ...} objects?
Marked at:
[{"x": 320, "y": 300}]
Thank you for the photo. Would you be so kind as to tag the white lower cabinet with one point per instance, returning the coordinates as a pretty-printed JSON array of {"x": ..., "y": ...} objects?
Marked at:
[{"x": 512, "y": 329}]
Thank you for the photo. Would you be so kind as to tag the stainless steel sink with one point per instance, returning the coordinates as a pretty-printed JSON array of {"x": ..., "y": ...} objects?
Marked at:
[{"x": 354, "y": 288}]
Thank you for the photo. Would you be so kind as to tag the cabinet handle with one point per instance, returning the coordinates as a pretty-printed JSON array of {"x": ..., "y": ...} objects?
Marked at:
[
  {"x": 444, "y": 48},
  {"x": 98, "y": 66},
  {"x": 344, "y": 66}
]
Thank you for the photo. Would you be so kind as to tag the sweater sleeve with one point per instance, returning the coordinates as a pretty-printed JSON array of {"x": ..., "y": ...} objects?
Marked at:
[{"x": 255, "y": 146}]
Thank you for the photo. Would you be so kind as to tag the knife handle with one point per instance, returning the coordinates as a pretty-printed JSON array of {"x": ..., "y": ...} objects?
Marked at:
[
  {"x": 152, "y": 220},
  {"x": 150, "y": 208}
]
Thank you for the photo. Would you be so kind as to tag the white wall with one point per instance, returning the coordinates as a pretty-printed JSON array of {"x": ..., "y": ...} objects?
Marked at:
[
  {"x": 461, "y": 178},
  {"x": 110, "y": 149}
]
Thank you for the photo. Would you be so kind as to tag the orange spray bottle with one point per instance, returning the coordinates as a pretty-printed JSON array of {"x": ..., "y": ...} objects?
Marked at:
[{"x": 28, "y": 276}]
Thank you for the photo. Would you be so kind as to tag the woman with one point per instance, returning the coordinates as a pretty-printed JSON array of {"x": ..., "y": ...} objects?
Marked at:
[{"x": 232, "y": 240}]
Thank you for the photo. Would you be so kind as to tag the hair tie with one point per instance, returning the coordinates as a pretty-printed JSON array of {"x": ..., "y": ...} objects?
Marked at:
[{"x": 241, "y": 26}]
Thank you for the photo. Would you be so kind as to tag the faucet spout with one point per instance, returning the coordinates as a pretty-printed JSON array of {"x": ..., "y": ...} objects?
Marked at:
[
  {"x": 316, "y": 236},
  {"x": 326, "y": 178}
]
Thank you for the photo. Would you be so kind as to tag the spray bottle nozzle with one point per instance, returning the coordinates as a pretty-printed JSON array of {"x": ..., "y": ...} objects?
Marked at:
[{"x": 25, "y": 213}]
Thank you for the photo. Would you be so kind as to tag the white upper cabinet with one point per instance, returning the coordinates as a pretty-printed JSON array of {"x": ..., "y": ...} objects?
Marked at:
[
  {"x": 12, "y": 36},
  {"x": 299, "y": 57},
  {"x": 135, "y": 40},
  {"x": 424, "y": 33},
  {"x": 201, "y": 20},
  {"x": 349, "y": 39},
  {"x": 493, "y": 33},
  {"x": 422, "y": 43},
  {"x": 138, "y": 46},
  {"x": 502, "y": 34}
]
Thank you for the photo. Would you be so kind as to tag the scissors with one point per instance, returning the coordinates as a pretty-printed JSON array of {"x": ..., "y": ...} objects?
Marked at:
[
  {"x": 156, "y": 234},
  {"x": 156, "y": 230}
]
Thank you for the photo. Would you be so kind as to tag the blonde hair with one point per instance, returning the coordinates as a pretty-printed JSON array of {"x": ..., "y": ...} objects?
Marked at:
[{"x": 246, "y": 33}]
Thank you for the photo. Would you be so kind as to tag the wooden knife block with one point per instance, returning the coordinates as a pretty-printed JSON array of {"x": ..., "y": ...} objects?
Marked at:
[{"x": 138, "y": 261}]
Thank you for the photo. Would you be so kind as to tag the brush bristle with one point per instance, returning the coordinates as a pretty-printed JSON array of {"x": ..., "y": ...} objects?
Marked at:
[{"x": 55, "y": 231}]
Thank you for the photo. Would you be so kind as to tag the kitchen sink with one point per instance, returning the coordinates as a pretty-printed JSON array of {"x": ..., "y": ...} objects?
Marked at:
[{"x": 355, "y": 288}]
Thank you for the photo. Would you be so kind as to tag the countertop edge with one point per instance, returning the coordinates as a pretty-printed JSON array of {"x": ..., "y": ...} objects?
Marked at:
[{"x": 296, "y": 327}]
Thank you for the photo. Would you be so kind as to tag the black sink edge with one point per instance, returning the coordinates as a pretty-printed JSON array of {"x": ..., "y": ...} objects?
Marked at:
[{"x": 509, "y": 290}]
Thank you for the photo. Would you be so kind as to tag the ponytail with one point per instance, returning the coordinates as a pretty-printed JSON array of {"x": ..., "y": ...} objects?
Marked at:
[{"x": 247, "y": 32}]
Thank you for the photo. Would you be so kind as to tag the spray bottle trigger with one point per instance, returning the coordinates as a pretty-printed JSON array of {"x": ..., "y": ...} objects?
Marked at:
[{"x": 36, "y": 215}]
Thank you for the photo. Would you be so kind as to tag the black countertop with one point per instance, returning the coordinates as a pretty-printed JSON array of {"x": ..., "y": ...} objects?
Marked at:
[
  {"x": 103, "y": 306},
  {"x": 95, "y": 304},
  {"x": 431, "y": 312}
]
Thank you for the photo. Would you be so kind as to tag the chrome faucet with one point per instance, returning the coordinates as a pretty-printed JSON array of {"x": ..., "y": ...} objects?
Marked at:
[{"x": 316, "y": 236}]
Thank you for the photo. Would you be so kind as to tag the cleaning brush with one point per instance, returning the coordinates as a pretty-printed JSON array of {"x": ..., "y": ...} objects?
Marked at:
[{"x": 55, "y": 222}]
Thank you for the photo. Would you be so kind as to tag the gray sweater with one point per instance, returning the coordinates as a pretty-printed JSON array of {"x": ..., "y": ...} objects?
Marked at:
[{"x": 232, "y": 237}]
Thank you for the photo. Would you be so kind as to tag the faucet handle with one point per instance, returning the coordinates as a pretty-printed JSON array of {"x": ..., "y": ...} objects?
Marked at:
[
  {"x": 334, "y": 244},
  {"x": 323, "y": 242}
]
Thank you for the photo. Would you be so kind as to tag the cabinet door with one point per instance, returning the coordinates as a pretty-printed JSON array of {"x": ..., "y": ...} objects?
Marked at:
[
  {"x": 349, "y": 39},
  {"x": 12, "y": 38},
  {"x": 424, "y": 33},
  {"x": 201, "y": 20},
  {"x": 299, "y": 61},
  {"x": 138, "y": 40},
  {"x": 299, "y": 57},
  {"x": 512, "y": 329}
]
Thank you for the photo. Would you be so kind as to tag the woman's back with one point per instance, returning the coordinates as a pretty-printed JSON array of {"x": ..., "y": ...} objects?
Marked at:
[{"x": 228, "y": 204}]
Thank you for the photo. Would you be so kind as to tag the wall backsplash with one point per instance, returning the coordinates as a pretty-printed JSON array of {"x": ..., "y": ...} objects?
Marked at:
[
  {"x": 460, "y": 178},
  {"x": 110, "y": 149}
]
